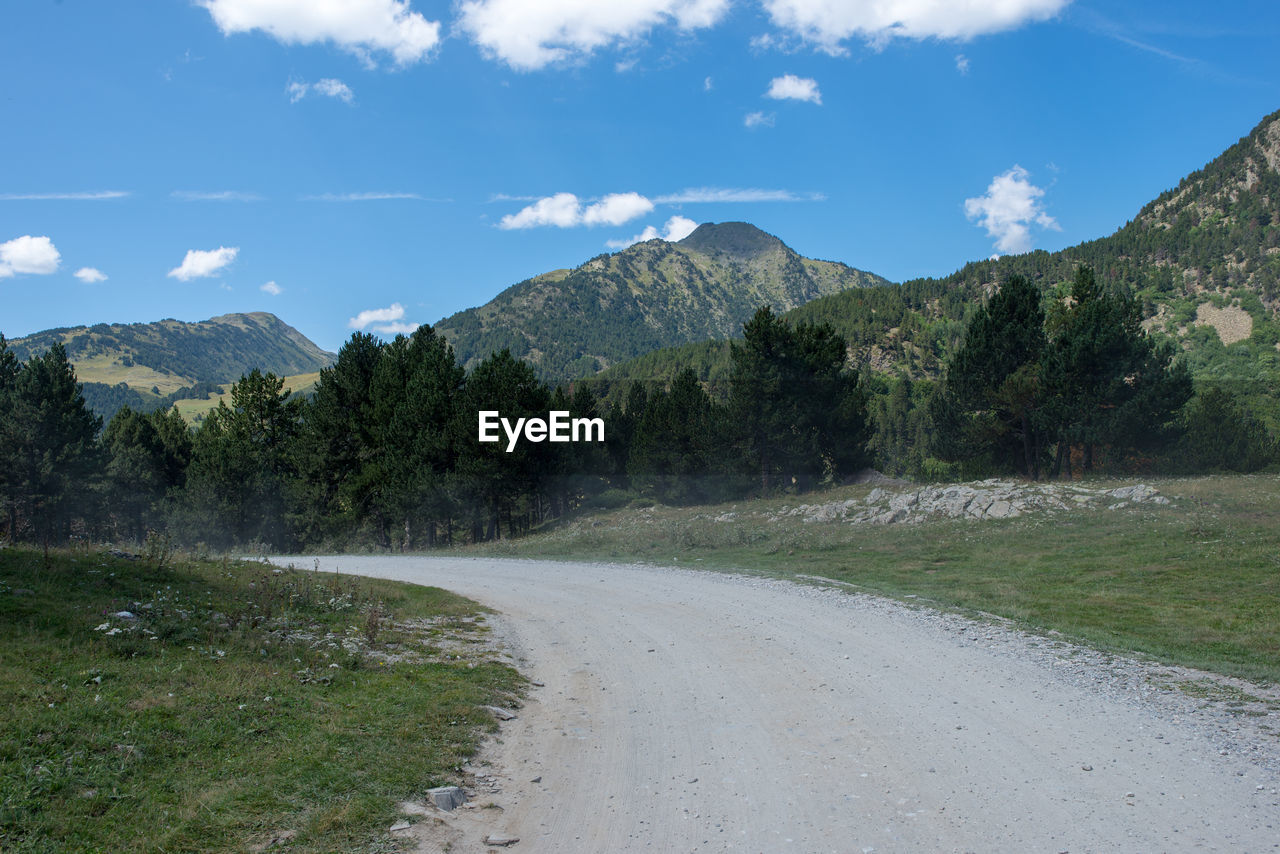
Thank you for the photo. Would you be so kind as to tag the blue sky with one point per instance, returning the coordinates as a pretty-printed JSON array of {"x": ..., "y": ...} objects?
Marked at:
[{"x": 381, "y": 163}]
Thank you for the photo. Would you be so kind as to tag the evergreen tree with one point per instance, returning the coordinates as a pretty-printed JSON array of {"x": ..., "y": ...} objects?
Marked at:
[
  {"x": 992, "y": 402},
  {"x": 240, "y": 464},
  {"x": 415, "y": 389},
  {"x": 9, "y": 367},
  {"x": 1112, "y": 386},
  {"x": 335, "y": 443},
  {"x": 497, "y": 483},
  {"x": 679, "y": 447},
  {"x": 1219, "y": 434},
  {"x": 799, "y": 415},
  {"x": 51, "y": 436}
]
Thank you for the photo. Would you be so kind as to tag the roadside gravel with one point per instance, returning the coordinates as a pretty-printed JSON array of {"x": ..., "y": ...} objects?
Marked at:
[{"x": 685, "y": 710}]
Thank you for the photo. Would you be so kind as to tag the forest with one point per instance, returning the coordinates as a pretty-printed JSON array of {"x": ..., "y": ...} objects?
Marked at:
[{"x": 384, "y": 454}]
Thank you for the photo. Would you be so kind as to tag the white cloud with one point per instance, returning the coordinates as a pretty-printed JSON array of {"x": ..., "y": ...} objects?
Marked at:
[
  {"x": 27, "y": 254},
  {"x": 64, "y": 197},
  {"x": 530, "y": 35},
  {"x": 562, "y": 210},
  {"x": 362, "y": 27},
  {"x": 615, "y": 209},
  {"x": 827, "y": 24},
  {"x": 791, "y": 87},
  {"x": 699, "y": 195},
  {"x": 90, "y": 275},
  {"x": 565, "y": 210},
  {"x": 1008, "y": 210},
  {"x": 677, "y": 228},
  {"x": 708, "y": 85},
  {"x": 758, "y": 119},
  {"x": 396, "y": 328},
  {"x": 393, "y": 312},
  {"x": 962, "y": 63},
  {"x": 328, "y": 87},
  {"x": 271, "y": 288},
  {"x": 215, "y": 196},
  {"x": 203, "y": 263}
]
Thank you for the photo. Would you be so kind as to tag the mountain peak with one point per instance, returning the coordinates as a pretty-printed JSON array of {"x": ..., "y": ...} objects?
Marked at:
[{"x": 736, "y": 239}]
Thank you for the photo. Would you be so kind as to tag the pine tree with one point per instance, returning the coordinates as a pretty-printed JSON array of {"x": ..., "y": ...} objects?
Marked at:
[
  {"x": 240, "y": 465},
  {"x": 992, "y": 401},
  {"x": 335, "y": 442},
  {"x": 51, "y": 436},
  {"x": 800, "y": 417}
]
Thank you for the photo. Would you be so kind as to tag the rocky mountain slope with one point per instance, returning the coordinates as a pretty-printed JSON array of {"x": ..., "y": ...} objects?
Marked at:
[
  {"x": 574, "y": 323},
  {"x": 1203, "y": 258}
]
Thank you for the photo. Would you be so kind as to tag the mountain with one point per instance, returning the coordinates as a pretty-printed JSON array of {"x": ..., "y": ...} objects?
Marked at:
[
  {"x": 574, "y": 323},
  {"x": 1203, "y": 258},
  {"x": 146, "y": 365}
]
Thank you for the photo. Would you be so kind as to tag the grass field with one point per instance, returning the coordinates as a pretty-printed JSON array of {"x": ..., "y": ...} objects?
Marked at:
[
  {"x": 1196, "y": 582},
  {"x": 195, "y": 410},
  {"x": 233, "y": 705}
]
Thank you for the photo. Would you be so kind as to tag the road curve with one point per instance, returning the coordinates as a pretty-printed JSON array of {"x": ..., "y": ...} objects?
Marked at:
[{"x": 698, "y": 711}]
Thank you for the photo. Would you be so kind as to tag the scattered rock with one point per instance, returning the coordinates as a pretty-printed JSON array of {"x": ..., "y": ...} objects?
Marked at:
[
  {"x": 501, "y": 714},
  {"x": 501, "y": 840},
  {"x": 400, "y": 827},
  {"x": 447, "y": 798},
  {"x": 1086, "y": 767},
  {"x": 988, "y": 499},
  {"x": 536, "y": 780}
]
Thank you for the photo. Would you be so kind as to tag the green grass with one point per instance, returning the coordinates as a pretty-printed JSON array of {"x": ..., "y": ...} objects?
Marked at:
[
  {"x": 1194, "y": 583},
  {"x": 268, "y": 703}
]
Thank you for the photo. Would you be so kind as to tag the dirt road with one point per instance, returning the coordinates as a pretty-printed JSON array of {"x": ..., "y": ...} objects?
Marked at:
[{"x": 694, "y": 711}]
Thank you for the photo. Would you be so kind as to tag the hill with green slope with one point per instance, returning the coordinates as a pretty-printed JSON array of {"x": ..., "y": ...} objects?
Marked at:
[
  {"x": 1203, "y": 258},
  {"x": 145, "y": 365},
  {"x": 574, "y": 323}
]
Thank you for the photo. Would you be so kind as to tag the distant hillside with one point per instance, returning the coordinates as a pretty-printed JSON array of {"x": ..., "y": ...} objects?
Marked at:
[
  {"x": 574, "y": 323},
  {"x": 1204, "y": 259},
  {"x": 145, "y": 365}
]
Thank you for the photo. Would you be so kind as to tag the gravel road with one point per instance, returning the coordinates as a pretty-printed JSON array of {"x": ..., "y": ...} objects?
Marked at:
[{"x": 683, "y": 710}]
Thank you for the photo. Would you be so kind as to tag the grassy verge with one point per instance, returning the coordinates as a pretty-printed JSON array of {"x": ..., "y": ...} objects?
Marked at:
[
  {"x": 1196, "y": 582},
  {"x": 239, "y": 708}
]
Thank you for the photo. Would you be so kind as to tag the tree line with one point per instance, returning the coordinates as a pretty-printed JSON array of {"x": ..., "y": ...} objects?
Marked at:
[{"x": 385, "y": 452}]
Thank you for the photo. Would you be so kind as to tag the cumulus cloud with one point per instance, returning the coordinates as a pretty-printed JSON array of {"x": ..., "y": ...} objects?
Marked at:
[
  {"x": 827, "y": 24},
  {"x": 677, "y": 228},
  {"x": 758, "y": 119},
  {"x": 203, "y": 263},
  {"x": 962, "y": 63},
  {"x": 615, "y": 209},
  {"x": 63, "y": 197},
  {"x": 27, "y": 254},
  {"x": 565, "y": 210},
  {"x": 384, "y": 321},
  {"x": 329, "y": 87},
  {"x": 90, "y": 275},
  {"x": 1008, "y": 210},
  {"x": 361, "y": 27},
  {"x": 396, "y": 328},
  {"x": 528, "y": 36},
  {"x": 271, "y": 288},
  {"x": 791, "y": 87}
]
